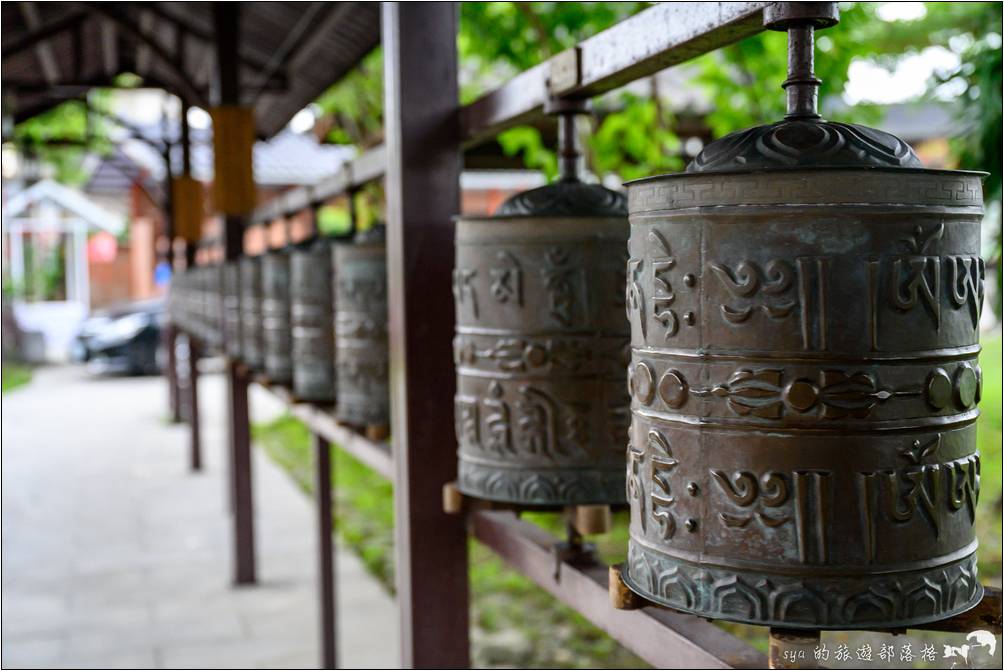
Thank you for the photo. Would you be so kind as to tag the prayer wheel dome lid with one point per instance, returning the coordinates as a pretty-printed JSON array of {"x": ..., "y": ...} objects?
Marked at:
[
  {"x": 803, "y": 143},
  {"x": 569, "y": 196},
  {"x": 803, "y": 139},
  {"x": 565, "y": 198}
]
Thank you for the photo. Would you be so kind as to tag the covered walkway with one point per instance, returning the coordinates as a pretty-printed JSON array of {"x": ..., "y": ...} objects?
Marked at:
[{"x": 116, "y": 555}]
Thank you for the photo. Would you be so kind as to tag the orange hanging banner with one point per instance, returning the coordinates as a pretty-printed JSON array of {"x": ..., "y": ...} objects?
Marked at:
[
  {"x": 187, "y": 196},
  {"x": 233, "y": 142}
]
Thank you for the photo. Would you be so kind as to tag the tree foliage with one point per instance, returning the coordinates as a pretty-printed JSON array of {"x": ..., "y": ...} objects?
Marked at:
[
  {"x": 636, "y": 131},
  {"x": 62, "y": 137}
]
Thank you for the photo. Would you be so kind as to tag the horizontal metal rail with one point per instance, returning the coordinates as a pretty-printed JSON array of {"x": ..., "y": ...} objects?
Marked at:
[
  {"x": 652, "y": 40},
  {"x": 367, "y": 167},
  {"x": 318, "y": 419},
  {"x": 663, "y": 638},
  {"x": 655, "y": 39}
]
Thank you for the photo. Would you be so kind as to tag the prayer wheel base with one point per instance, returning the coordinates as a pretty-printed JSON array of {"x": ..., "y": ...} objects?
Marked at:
[
  {"x": 557, "y": 487},
  {"x": 893, "y": 600}
]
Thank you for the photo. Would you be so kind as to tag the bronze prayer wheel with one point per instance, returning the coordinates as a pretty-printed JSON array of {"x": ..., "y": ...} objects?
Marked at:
[
  {"x": 252, "y": 350},
  {"x": 275, "y": 311},
  {"x": 232, "y": 309},
  {"x": 361, "y": 354},
  {"x": 210, "y": 304},
  {"x": 541, "y": 345},
  {"x": 804, "y": 305},
  {"x": 311, "y": 304},
  {"x": 177, "y": 300}
]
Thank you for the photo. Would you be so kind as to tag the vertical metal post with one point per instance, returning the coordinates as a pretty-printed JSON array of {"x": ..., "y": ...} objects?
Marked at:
[
  {"x": 170, "y": 334},
  {"x": 195, "y": 442},
  {"x": 423, "y": 158},
  {"x": 325, "y": 554},
  {"x": 226, "y": 23},
  {"x": 192, "y": 379},
  {"x": 170, "y": 344},
  {"x": 196, "y": 452}
]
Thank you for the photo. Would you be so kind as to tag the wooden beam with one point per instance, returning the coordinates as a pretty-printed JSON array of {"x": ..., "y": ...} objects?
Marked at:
[
  {"x": 179, "y": 80},
  {"x": 650, "y": 41},
  {"x": 143, "y": 51},
  {"x": 109, "y": 47},
  {"x": 310, "y": 20},
  {"x": 39, "y": 32},
  {"x": 250, "y": 59}
]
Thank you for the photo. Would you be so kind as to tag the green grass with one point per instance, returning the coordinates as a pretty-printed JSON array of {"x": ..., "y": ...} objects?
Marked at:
[
  {"x": 514, "y": 622},
  {"x": 363, "y": 501},
  {"x": 988, "y": 430},
  {"x": 14, "y": 375}
]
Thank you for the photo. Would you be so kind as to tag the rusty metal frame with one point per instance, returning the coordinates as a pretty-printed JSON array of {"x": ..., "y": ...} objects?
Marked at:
[
  {"x": 226, "y": 20},
  {"x": 663, "y": 638},
  {"x": 426, "y": 130},
  {"x": 375, "y": 454}
]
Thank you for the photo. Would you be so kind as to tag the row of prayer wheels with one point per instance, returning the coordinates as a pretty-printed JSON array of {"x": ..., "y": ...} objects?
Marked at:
[
  {"x": 784, "y": 337},
  {"x": 311, "y": 316}
]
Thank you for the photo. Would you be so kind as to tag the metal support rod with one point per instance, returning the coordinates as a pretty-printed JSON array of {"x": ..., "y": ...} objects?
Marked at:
[
  {"x": 325, "y": 553},
  {"x": 186, "y": 140},
  {"x": 422, "y": 183},
  {"x": 568, "y": 111},
  {"x": 569, "y": 151},
  {"x": 195, "y": 437},
  {"x": 170, "y": 343},
  {"x": 240, "y": 446},
  {"x": 802, "y": 86},
  {"x": 226, "y": 22},
  {"x": 169, "y": 337}
]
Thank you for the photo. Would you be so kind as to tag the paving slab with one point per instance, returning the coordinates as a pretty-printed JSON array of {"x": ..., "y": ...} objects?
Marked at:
[{"x": 116, "y": 556}]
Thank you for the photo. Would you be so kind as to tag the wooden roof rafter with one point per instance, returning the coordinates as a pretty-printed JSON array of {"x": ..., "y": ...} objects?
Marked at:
[
  {"x": 42, "y": 31},
  {"x": 171, "y": 45},
  {"x": 178, "y": 78}
]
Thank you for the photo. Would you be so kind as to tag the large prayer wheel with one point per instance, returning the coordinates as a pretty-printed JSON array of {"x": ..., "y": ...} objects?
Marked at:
[
  {"x": 252, "y": 349},
  {"x": 361, "y": 354},
  {"x": 804, "y": 304},
  {"x": 541, "y": 344},
  {"x": 277, "y": 334},
  {"x": 311, "y": 304}
]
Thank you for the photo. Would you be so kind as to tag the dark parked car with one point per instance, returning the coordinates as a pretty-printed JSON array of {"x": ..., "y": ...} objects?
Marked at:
[{"x": 125, "y": 339}]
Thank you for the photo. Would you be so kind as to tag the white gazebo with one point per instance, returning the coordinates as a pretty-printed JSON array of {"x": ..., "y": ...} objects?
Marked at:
[{"x": 50, "y": 209}]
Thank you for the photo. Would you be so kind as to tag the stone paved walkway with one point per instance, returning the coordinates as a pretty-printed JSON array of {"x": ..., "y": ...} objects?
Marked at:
[{"x": 114, "y": 555}]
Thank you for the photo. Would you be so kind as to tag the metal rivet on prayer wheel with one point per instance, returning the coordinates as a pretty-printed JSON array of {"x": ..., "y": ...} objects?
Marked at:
[
  {"x": 311, "y": 304},
  {"x": 803, "y": 452},
  {"x": 277, "y": 336},
  {"x": 361, "y": 354},
  {"x": 542, "y": 342},
  {"x": 252, "y": 350}
]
